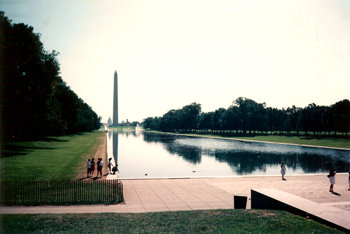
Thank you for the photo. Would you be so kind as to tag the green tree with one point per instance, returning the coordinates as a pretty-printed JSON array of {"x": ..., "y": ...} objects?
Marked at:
[
  {"x": 171, "y": 120},
  {"x": 35, "y": 102},
  {"x": 340, "y": 116},
  {"x": 231, "y": 119},
  {"x": 219, "y": 119},
  {"x": 189, "y": 116},
  {"x": 206, "y": 120}
]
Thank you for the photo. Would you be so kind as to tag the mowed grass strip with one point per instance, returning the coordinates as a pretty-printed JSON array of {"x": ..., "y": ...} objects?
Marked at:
[
  {"x": 53, "y": 158},
  {"x": 328, "y": 142},
  {"x": 214, "y": 221}
]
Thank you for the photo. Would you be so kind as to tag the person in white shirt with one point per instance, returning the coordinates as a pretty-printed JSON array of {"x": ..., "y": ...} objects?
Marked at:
[
  {"x": 88, "y": 166},
  {"x": 99, "y": 167},
  {"x": 110, "y": 165}
]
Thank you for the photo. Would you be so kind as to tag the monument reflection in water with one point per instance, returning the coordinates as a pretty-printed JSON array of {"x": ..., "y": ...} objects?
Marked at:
[
  {"x": 162, "y": 155},
  {"x": 112, "y": 145}
]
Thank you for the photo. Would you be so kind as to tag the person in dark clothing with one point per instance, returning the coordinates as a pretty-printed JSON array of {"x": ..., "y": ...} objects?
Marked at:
[
  {"x": 331, "y": 177},
  {"x": 93, "y": 163}
]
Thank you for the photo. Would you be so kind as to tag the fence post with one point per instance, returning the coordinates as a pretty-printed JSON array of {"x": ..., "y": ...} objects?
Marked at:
[
  {"x": 60, "y": 191},
  {"x": 25, "y": 192},
  {"x": 81, "y": 189},
  {"x": 36, "y": 189},
  {"x": 75, "y": 191}
]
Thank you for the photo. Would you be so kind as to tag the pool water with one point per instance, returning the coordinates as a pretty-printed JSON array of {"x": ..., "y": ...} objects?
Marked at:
[{"x": 145, "y": 155}]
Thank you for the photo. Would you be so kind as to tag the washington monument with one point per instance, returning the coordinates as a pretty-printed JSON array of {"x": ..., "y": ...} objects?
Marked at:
[{"x": 115, "y": 100}]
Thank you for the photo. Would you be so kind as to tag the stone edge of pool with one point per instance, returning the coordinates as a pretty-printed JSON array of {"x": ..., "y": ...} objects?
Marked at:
[{"x": 234, "y": 176}]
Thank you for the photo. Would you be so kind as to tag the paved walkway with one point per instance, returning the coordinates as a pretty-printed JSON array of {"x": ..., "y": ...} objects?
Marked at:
[
  {"x": 150, "y": 195},
  {"x": 272, "y": 198}
]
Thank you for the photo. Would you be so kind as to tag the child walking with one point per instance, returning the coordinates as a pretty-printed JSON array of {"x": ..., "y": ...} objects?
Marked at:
[{"x": 110, "y": 166}]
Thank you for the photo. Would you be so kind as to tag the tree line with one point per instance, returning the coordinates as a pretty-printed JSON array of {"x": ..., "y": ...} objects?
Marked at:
[
  {"x": 247, "y": 116},
  {"x": 35, "y": 101}
]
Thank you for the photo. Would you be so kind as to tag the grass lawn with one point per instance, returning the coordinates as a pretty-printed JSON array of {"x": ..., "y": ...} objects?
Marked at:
[
  {"x": 214, "y": 221},
  {"x": 329, "y": 142},
  {"x": 52, "y": 158}
]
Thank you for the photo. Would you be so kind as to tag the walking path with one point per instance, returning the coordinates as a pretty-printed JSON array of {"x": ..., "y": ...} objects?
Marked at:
[{"x": 151, "y": 195}]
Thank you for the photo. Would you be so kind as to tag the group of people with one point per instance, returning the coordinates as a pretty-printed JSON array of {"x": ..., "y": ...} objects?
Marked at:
[
  {"x": 91, "y": 165},
  {"x": 331, "y": 176}
]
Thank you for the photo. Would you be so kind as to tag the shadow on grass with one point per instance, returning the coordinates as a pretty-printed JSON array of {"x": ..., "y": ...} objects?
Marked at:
[
  {"x": 23, "y": 148},
  {"x": 15, "y": 150},
  {"x": 54, "y": 139}
]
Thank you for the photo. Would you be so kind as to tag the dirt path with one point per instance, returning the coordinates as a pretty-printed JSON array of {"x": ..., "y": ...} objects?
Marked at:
[{"x": 100, "y": 151}]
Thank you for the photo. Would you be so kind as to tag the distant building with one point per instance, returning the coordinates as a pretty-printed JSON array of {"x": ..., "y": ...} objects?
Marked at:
[
  {"x": 115, "y": 100},
  {"x": 109, "y": 122}
]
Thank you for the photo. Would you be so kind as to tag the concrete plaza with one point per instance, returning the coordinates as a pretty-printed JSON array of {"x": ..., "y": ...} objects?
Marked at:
[{"x": 153, "y": 195}]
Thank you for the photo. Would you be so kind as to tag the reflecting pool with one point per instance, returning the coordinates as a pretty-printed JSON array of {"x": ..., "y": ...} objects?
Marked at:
[{"x": 143, "y": 154}]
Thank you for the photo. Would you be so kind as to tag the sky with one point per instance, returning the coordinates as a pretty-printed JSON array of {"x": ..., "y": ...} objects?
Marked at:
[{"x": 169, "y": 53}]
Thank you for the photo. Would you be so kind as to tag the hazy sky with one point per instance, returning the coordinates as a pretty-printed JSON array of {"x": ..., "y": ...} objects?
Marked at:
[{"x": 169, "y": 54}]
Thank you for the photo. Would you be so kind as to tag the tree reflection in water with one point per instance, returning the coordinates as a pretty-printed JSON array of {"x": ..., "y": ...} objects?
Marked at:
[{"x": 248, "y": 157}]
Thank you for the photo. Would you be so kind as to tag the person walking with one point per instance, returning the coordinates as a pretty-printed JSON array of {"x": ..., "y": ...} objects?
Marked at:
[
  {"x": 99, "y": 167},
  {"x": 283, "y": 170},
  {"x": 93, "y": 163},
  {"x": 88, "y": 166},
  {"x": 331, "y": 177},
  {"x": 110, "y": 166}
]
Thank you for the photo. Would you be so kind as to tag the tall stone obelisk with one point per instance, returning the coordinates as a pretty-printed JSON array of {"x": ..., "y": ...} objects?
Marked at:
[{"x": 115, "y": 100}]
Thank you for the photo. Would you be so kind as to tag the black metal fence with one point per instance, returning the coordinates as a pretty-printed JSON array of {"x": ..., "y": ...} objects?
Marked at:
[{"x": 61, "y": 192}]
